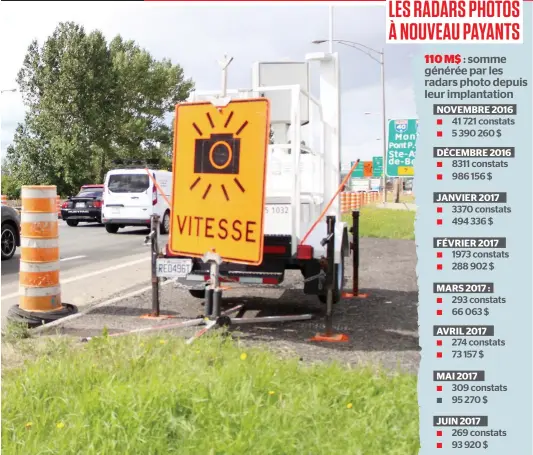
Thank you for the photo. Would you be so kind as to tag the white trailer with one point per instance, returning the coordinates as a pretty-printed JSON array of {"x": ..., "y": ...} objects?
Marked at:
[{"x": 301, "y": 179}]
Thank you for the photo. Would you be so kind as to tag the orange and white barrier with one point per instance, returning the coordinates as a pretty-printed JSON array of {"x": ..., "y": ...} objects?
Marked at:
[
  {"x": 39, "y": 262},
  {"x": 4, "y": 198},
  {"x": 354, "y": 201},
  {"x": 345, "y": 202}
]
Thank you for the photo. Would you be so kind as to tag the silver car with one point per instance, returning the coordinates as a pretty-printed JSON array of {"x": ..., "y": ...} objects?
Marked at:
[{"x": 10, "y": 232}]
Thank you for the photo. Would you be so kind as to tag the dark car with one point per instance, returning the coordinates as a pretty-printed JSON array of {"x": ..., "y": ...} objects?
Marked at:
[
  {"x": 86, "y": 206},
  {"x": 10, "y": 232}
]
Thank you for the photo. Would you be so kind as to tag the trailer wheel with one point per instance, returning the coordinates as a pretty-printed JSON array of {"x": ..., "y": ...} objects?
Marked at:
[
  {"x": 198, "y": 293},
  {"x": 339, "y": 285}
]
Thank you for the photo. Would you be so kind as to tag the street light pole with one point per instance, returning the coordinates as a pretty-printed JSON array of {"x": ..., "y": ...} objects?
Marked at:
[
  {"x": 8, "y": 90},
  {"x": 384, "y": 120}
]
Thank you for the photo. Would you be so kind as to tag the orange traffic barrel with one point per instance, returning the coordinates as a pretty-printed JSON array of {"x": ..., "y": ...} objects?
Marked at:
[
  {"x": 345, "y": 206},
  {"x": 39, "y": 279},
  {"x": 4, "y": 198},
  {"x": 39, "y": 287}
]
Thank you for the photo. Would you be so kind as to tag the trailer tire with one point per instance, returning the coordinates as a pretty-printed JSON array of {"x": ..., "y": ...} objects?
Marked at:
[
  {"x": 198, "y": 293},
  {"x": 339, "y": 285},
  {"x": 164, "y": 227}
]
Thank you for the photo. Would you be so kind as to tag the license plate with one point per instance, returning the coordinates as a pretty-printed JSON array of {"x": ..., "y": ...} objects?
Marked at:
[
  {"x": 173, "y": 268},
  {"x": 80, "y": 205},
  {"x": 115, "y": 210}
]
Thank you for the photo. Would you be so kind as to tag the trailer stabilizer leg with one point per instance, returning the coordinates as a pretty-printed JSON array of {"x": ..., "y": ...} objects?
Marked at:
[
  {"x": 209, "y": 301},
  {"x": 354, "y": 246},
  {"x": 329, "y": 336}
]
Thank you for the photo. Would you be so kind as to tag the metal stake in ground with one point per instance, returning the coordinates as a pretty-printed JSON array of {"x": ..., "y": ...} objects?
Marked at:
[
  {"x": 214, "y": 292},
  {"x": 155, "y": 253},
  {"x": 153, "y": 240},
  {"x": 329, "y": 242},
  {"x": 355, "y": 252},
  {"x": 330, "y": 275}
]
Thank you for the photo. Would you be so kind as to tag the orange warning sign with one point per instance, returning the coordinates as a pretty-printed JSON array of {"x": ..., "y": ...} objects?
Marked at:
[
  {"x": 367, "y": 169},
  {"x": 219, "y": 174}
]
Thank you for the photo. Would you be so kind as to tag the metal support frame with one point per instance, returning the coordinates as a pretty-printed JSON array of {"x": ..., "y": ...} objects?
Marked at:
[
  {"x": 355, "y": 257},
  {"x": 154, "y": 252},
  {"x": 329, "y": 242},
  {"x": 152, "y": 240},
  {"x": 213, "y": 294},
  {"x": 330, "y": 274},
  {"x": 215, "y": 318},
  {"x": 213, "y": 298}
]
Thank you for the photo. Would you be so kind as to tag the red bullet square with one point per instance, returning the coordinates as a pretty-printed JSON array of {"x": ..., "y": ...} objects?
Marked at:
[
  {"x": 439, "y": 121},
  {"x": 439, "y": 133},
  {"x": 439, "y": 222},
  {"x": 439, "y": 209},
  {"x": 439, "y": 389},
  {"x": 439, "y": 163},
  {"x": 439, "y": 176},
  {"x": 439, "y": 355},
  {"x": 439, "y": 254},
  {"x": 439, "y": 299},
  {"x": 439, "y": 343},
  {"x": 439, "y": 266},
  {"x": 439, "y": 445},
  {"x": 439, "y": 312}
]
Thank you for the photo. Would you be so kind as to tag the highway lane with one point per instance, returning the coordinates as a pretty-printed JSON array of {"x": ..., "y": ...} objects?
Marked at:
[
  {"x": 85, "y": 244},
  {"x": 94, "y": 266}
]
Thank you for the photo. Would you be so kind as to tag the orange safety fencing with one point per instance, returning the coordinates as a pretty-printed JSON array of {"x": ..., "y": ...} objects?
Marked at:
[{"x": 354, "y": 201}]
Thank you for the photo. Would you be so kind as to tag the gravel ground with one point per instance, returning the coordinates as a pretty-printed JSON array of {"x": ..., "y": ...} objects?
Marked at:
[{"x": 382, "y": 328}]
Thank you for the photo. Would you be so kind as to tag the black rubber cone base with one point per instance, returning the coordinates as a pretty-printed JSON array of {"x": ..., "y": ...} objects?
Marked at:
[{"x": 36, "y": 318}]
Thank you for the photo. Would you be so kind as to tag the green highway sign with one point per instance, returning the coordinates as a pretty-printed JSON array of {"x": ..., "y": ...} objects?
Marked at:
[
  {"x": 377, "y": 166},
  {"x": 359, "y": 171},
  {"x": 401, "y": 147}
]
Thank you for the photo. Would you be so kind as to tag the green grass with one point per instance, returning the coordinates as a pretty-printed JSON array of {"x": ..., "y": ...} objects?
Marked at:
[
  {"x": 385, "y": 223},
  {"x": 156, "y": 395}
]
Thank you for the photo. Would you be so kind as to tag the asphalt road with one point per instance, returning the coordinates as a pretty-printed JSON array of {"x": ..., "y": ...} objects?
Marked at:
[{"x": 95, "y": 265}]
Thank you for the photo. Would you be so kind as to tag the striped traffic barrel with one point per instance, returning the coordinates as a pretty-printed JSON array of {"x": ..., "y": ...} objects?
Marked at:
[
  {"x": 4, "y": 198},
  {"x": 39, "y": 255},
  {"x": 345, "y": 206}
]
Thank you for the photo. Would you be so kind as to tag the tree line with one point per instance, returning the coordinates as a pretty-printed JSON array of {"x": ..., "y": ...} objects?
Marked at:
[{"x": 89, "y": 103}]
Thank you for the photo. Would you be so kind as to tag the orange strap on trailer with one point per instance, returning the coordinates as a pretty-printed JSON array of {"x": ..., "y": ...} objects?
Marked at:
[{"x": 339, "y": 189}]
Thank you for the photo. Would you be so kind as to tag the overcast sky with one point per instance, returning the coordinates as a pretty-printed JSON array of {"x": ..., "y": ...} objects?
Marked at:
[{"x": 196, "y": 36}]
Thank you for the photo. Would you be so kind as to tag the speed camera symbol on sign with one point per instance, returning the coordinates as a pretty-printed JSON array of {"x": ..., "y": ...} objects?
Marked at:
[
  {"x": 219, "y": 180},
  {"x": 219, "y": 154}
]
